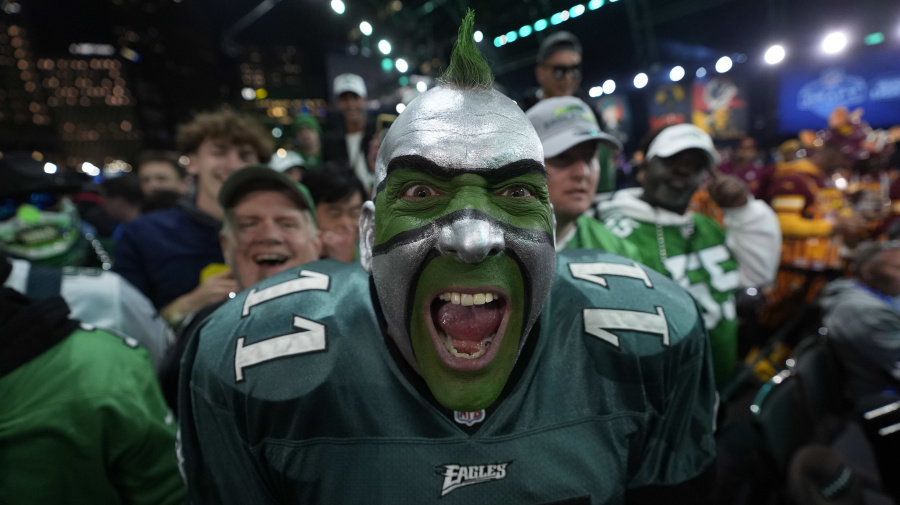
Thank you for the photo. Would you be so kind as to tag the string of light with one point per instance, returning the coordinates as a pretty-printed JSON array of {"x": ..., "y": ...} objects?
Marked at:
[
  {"x": 384, "y": 46},
  {"x": 542, "y": 24}
]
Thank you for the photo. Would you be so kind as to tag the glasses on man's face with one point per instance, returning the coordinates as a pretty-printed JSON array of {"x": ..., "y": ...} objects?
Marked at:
[{"x": 560, "y": 71}]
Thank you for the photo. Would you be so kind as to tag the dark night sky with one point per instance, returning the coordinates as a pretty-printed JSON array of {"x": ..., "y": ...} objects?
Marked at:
[{"x": 194, "y": 72}]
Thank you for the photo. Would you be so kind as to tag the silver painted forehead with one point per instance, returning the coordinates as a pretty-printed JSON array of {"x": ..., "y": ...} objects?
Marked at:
[{"x": 455, "y": 128}]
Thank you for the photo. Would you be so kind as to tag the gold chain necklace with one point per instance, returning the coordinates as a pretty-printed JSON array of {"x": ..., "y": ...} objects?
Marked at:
[{"x": 687, "y": 231}]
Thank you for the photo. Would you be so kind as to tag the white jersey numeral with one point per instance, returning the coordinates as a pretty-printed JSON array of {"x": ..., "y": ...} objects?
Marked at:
[
  {"x": 600, "y": 322},
  {"x": 709, "y": 259},
  {"x": 308, "y": 280},
  {"x": 623, "y": 227},
  {"x": 713, "y": 312},
  {"x": 595, "y": 272},
  {"x": 311, "y": 338}
]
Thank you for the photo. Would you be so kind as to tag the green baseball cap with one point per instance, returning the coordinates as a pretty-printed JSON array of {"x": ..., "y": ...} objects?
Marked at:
[{"x": 262, "y": 177}]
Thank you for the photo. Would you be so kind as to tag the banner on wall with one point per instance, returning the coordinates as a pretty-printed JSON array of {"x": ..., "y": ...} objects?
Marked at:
[
  {"x": 870, "y": 80},
  {"x": 669, "y": 104},
  {"x": 615, "y": 116},
  {"x": 720, "y": 107}
]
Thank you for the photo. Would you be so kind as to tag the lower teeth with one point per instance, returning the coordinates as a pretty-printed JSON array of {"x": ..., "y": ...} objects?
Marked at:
[{"x": 448, "y": 344}]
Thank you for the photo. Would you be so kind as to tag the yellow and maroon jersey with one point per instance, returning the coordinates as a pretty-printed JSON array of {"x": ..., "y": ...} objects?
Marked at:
[{"x": 806, "y": 209}]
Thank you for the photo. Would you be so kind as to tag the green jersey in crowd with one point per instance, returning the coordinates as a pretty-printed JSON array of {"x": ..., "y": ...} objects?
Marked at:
[
  {"x": 85, "y": 423},
  {"x": 690, "y": 248},
  {"x": 292, "y": 393},
  {"x": 589, "y": 233}
]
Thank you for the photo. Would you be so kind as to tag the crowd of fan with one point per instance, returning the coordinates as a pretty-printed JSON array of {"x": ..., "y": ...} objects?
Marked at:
[{"x": 756, "y": 237}]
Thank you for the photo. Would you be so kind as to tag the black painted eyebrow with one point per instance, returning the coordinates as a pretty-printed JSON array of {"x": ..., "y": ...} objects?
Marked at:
[{"x": 423, "y": 164}]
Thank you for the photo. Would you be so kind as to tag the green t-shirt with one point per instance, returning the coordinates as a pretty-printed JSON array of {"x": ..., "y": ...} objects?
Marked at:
[
  {"x": 85, "y": 423},
  {"x": 290, "y": 394}
]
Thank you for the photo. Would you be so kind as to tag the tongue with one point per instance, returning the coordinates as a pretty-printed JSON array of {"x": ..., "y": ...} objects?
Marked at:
[{"x": 469, "y": 325}]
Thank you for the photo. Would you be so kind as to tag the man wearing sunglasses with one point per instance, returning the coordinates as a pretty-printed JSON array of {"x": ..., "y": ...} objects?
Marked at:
[{"x": 558, "y": 70}]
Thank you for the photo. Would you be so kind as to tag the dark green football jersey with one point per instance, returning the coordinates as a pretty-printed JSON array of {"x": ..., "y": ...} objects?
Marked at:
[{"x": 291, "y": 395}]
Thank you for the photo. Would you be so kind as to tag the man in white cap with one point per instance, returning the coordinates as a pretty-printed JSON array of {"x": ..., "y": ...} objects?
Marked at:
[
  {"x": 571, "y": 137},
  {"x": 289, "y": 163},
  {"x": 691, "y": 248},
  {"x": 351, "y": 143}
]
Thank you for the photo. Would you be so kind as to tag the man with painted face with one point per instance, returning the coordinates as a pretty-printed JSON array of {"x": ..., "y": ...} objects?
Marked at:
[
  {"x": 453, "y": 371},
  {"x": 691, "y": 248}
]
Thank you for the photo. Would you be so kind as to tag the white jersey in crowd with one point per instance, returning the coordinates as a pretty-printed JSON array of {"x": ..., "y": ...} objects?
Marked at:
[{"x": 106, "y": 300}]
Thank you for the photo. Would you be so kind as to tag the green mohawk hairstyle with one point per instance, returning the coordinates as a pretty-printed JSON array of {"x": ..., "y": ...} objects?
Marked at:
[{"x": 467, "y": 69}]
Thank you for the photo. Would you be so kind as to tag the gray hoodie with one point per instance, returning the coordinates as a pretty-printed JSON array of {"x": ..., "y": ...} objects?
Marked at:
[{"x": 866, "y": 331}]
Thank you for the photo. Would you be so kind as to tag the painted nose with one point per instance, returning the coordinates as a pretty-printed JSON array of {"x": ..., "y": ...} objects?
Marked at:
[{"x": 471, "y": 240}]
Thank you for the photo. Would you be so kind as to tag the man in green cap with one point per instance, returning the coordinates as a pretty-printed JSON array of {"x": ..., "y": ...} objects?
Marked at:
[
  {"x": 467, "y": 363},
  {"x": 308, "y": 140}
]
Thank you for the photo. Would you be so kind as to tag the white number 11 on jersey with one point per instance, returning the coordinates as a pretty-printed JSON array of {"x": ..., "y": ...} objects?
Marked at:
[
  {"x": 600, "y": 322},
  {"x": 310, "y": 338}
]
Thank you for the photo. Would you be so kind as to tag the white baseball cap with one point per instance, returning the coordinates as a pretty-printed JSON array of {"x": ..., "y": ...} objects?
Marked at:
[
  {"x": 349, "y": 83},
  {"x": 681, "y": 137},
  {"x": 290, "y": 159},
  {"x": 565, "y": 121}
]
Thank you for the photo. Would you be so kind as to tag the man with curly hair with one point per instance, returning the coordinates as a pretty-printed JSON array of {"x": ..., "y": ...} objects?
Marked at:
[{"x": 163, "y": 253}]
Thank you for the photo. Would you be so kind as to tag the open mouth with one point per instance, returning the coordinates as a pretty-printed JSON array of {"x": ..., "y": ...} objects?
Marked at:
[
  {"x": 38, "y": 235},
  {"x": 269, "y": 260},
  {"x": 467, "y": 325}
]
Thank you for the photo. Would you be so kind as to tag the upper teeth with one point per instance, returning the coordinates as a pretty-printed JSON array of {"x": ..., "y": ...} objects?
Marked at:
[
  {"x": 37, "y": 235},
  {"x": 468, "y": 298},
  {"x": 269, "y": 257}
]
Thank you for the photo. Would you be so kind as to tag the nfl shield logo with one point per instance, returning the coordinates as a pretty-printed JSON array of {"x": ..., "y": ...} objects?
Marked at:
[{"x": 469, "y": 418}]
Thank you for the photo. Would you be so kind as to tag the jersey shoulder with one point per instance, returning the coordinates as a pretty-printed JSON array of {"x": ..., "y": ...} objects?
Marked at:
[
  {"x": 606, "y": 289},
  {"x": 102, "y": 360},
  {"x": 297, "y": 323},
  {"x": 592, "y": 234}
]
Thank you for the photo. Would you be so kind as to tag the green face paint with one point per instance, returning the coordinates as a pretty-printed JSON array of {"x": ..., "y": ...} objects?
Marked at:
[
  {"x": 29, "y": 214},
  {"x": 447, "y": 376},
  {"x": 460, "y": 179},
  {"x": 397, "y": 214},
  {"x": 41, "y": 236},
  {"x": 480, "y": 226}
]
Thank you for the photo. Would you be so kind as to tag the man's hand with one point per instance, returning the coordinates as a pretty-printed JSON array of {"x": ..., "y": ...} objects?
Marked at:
[
  {"x": 727, "y": 190},
  {"x": 339, "y": 244},
  {"x": 215, "y": 288}
]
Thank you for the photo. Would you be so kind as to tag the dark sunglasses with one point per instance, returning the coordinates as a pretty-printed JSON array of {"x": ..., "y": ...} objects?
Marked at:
[
  {"x": 560, "y": 71},
  {"x": 42, "y": 201}
]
